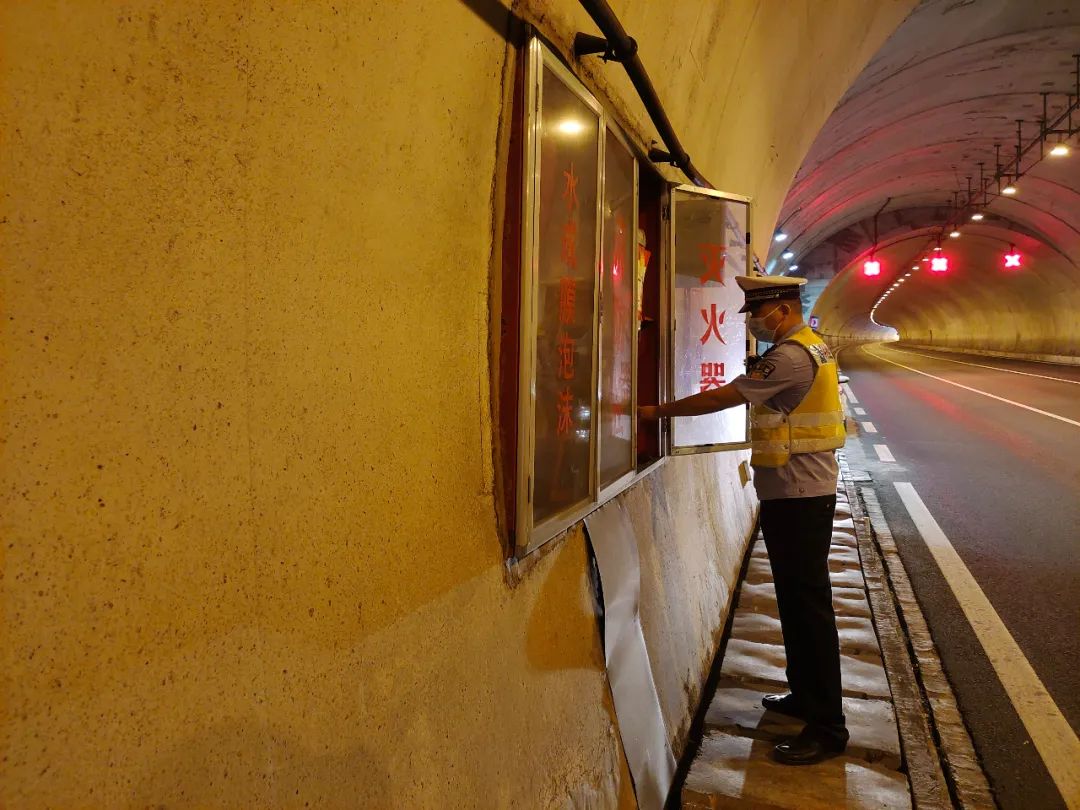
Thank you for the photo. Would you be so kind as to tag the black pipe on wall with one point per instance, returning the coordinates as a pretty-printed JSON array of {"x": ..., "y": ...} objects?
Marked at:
[{"x": 622, "y": 48}]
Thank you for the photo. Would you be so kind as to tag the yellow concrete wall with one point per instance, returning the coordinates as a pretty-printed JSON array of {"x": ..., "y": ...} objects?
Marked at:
[{"x": 250, "y": 551}]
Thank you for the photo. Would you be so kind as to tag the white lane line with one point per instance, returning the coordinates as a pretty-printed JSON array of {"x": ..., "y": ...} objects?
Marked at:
[
  {"x": 1054, "y": 739},
  {"x": 884, "y": 453},
  {"x": 977, "y": 391},
  {"x": 847, "y": 391},
  {"x": 992, "y": 368},
  {"x": 868, "y": 427},
  {"x": 860, "y": 412}
]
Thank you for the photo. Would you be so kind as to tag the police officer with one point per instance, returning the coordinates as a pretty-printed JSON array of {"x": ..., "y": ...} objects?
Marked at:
[{"x": 796, "y": 424}]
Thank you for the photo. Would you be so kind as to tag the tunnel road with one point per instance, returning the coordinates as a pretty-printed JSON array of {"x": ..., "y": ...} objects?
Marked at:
[{"x": 976, "y": 463}]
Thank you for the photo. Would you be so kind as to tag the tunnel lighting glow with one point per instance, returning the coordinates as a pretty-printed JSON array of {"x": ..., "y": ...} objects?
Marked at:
[
  {"x": 794, "y": 267},
  {"x": 1009, "y": 189},
  {"x": 1060, "y": 150},
  {"x": 977, "y": 217},
  {"x": 871, "y": 267},
  {"x": 1012, "y": 258},
  {"x": 786, "y": 255},
  {"x": 570, "y": 126},
  {"x": 954, "y": 235},
  {"x": 936, "y": 250},
  {"x": 780, "y": 237},
  {"x": 914, "y": 267},
  {"x": 940, "y": 264}
]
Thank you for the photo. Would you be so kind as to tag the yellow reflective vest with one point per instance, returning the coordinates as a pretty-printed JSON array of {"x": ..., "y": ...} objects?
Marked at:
[{"x": 817, "y": 424}]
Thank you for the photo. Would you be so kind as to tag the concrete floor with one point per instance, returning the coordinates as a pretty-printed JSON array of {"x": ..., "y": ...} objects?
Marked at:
[
  {"x": 734, "y": 767},
  {"x": 1004, "y": 485}
]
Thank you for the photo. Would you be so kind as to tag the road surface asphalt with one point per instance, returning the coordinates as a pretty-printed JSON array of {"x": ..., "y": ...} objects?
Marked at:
[{"x": 1003, "y": 483}]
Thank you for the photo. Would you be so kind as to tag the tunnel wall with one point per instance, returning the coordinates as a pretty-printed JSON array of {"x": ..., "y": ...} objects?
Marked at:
[
  {"x": 251, "y": 555},
  {"x": 1031, "y": 312}
]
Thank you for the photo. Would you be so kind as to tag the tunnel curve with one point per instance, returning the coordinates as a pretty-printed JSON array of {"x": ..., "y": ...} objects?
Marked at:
[{"x": 941, "y": 95}]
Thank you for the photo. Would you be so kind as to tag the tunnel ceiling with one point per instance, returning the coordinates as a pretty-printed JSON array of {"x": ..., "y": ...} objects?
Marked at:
[{"x": 944, "y": 89}]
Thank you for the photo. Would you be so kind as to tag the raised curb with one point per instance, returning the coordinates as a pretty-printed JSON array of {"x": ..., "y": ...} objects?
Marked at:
[
  {"x": 965, "y": 777},
  {"x": 929, "y": 789}
]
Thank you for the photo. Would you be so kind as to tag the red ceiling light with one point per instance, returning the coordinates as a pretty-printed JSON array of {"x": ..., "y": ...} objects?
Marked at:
[
  {"x": 1012, "y": 258},
  {"x": 939, "y": 264},
  {"x": 871, "y": 267}
]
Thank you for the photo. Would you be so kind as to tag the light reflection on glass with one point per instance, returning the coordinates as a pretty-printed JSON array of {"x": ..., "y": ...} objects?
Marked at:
[{"x": 570, "y": 126}]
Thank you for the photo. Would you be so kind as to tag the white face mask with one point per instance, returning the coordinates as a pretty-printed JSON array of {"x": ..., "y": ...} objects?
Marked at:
[{"x": 760, "y": 329}]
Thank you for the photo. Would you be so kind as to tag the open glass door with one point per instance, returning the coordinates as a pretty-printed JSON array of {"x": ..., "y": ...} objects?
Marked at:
[{"x": 710, "y": 245}]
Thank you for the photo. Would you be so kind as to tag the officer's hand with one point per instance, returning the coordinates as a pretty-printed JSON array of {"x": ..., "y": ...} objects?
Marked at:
[{"x": 648, "y": 412}]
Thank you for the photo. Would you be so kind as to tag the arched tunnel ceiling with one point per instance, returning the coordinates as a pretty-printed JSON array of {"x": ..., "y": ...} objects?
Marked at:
[{"x": 947, "y": 86}]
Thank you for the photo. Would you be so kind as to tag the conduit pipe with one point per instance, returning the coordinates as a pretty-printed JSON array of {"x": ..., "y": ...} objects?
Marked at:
[{"x": 622, "y": 48}]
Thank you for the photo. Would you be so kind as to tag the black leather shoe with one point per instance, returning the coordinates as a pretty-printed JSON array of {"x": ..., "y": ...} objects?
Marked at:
[
  {"x": 783, "y": 704},
  {"x": 805, "y": 750}
]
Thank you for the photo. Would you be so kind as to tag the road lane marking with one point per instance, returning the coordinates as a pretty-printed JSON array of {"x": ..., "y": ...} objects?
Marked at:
[
  {"x": 868, "y": 427},
  {"x": 977, "y": 391},
  {"x": 860, "y": 412},
  {"x": 847, "y": 391},
  {"x": 992, "y": 368},
  {"x": 883, "y": 453},
  {"x": 1054, "y": 739}
]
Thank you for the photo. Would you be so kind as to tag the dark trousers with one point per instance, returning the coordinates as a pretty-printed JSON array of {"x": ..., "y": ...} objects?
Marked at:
[{"x": 798, "y": 532}]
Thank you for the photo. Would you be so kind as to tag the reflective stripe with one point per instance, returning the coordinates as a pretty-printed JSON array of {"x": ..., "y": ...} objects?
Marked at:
[
  {"x": 816, "y": 445},
  {"x": 769, "y": 447},
  {"x": 816, "y": 419},
  {"x": 768, "y": 420}
]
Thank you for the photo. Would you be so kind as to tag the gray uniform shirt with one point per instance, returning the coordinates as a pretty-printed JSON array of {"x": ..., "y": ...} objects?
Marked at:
[{"x": 780, "y": 380}]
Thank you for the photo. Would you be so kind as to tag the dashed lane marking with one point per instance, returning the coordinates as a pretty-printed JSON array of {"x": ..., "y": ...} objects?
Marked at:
[
  {"x": 868, "y": 427},
  {"x": 847, "y": 392},
  {"x": 884, "y": 453},
  {"x": 992, "y": 368},
  {"x": 1064, "y": 419},
  {"x": 1054, "y": 739},
  {"x": 860, "y": 412}
]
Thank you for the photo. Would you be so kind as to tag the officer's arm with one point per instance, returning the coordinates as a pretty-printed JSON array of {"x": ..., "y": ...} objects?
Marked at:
[{"x": 717, "y": 399}]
